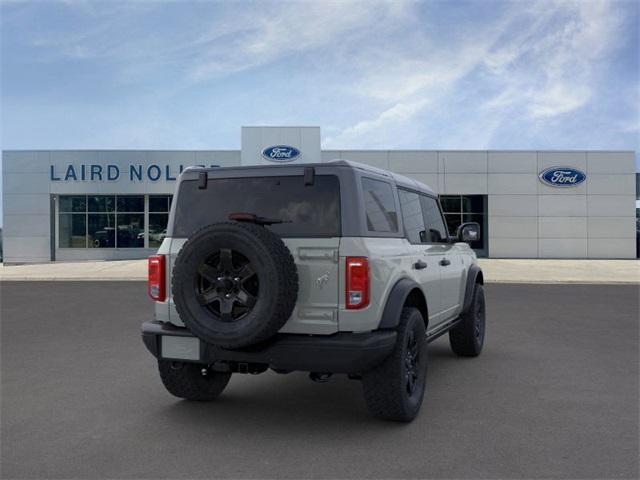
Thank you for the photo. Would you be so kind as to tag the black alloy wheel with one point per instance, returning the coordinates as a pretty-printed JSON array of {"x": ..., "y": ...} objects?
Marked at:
[
  {"x": 479, "y": 320},
  {"x": 412, "y": 362},
  {"x": 227, "y": 285}
]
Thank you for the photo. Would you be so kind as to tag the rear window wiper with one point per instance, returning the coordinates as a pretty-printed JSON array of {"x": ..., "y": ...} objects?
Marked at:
[{"x": 253, "y": 218}]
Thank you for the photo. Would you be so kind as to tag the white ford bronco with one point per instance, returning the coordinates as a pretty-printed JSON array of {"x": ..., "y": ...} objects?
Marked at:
[{"x": 328, "y": 268}]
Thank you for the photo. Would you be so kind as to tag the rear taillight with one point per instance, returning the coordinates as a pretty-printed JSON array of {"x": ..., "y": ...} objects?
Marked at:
[
  {"x": 357, "y": 282},
  {"x": 155, "y": 282}
]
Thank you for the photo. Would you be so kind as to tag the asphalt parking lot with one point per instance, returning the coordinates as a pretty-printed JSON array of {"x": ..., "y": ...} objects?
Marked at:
[{"x": 554, "y": 395}]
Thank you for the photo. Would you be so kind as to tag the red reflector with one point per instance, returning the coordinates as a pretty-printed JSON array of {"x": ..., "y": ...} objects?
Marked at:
[
  {"x": 357, "y": 282},
  {"x": 156, "y": 278}
]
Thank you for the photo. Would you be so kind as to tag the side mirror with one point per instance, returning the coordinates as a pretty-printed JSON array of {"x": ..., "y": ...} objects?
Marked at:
[{"x": 468, "y": 232}]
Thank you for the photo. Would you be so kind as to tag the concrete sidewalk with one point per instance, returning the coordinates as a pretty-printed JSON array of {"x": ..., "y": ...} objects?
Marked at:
[
  {"x": 121, "y": 270},
  {"x": 560, "y": 271},
  {"x": 495, "y": 271}
]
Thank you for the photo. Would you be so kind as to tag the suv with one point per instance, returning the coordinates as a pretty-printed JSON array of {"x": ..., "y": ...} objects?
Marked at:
[{"x": 334, "y": 267}]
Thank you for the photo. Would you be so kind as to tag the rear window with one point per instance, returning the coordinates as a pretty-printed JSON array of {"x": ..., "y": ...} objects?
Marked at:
[
  {"x": 306, "y": 210},
  {"x": 380, "y": 207}
]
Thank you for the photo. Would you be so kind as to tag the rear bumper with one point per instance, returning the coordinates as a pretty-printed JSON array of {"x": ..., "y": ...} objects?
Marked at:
[{"x": 339, "y": 353}]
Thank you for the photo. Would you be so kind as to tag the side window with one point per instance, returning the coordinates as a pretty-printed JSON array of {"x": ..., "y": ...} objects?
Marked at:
[
  {"x": 436, "y": 230},
  {"x": 412, "y": 216},
  {"x": 379, "y": 206}
]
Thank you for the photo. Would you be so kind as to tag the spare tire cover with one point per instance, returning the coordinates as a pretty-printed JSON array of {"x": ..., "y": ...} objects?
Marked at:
[{"x": 234, "y": 284}]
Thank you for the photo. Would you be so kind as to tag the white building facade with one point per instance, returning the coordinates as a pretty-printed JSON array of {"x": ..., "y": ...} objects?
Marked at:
[{"x": 113, "y": 204}]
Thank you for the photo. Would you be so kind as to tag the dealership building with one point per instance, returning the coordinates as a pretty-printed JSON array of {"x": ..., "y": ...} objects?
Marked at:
[{"x": 114, "y": 204}]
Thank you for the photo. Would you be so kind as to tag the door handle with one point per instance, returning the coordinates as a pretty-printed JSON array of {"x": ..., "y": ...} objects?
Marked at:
[
  {"x": 419, "y": 265},
  {"x": 444, "y": 262}
]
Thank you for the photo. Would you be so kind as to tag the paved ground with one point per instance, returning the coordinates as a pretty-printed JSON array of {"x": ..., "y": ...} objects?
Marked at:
[
  {"x": 495, "y": 270},
  {"x": 554, "y": 395}
]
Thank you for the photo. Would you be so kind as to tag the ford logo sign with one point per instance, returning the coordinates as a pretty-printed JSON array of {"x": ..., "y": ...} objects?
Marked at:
[
  {"x": 562, "y": 177},
  {"x": 281, "y": 153}
]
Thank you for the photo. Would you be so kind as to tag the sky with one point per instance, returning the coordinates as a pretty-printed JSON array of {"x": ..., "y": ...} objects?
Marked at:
[{"x": 374, "y": 74}]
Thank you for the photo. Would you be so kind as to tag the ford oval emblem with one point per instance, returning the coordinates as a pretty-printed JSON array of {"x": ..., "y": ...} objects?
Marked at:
[
  {"x": 562, "y": 177},
  {"x": 281, "y": 153}
]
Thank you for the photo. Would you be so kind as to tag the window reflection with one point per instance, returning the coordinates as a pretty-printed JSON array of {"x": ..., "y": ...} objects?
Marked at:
[
  {"x": 159, "y": 206},
  {"x": 157, "y": 228},
  {"x": 101, "y": 230},
  {"x": 111, "y": 221},
  {"x": 73, "y": 230},
  {"x": 130, "y": 230},
  {"x": 467, "y": 208}
]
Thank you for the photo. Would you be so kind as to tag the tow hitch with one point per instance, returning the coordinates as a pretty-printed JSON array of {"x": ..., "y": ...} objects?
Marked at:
[{"x": 320, "y": 377}]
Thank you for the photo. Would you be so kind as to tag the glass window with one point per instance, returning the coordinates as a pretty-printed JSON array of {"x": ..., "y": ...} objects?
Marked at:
[
  {"x": 451, "y": 203},
  {"x": 467, "y": 208},
  {"x": 158, "y": 219},
  {"x": 73, "y": 230},
  {"x": 72, "y": 203},
  {"x": 454, "y": 220},
  {"x": 102, "y": 203},
  {"x": 305, "y": 210},
  {"x": 131, "y": 203},
  {"x": 130, "y": 230},
  {"x": 157, "y": 228},
  {"x": 159, "y": 203},
  {"x": 436, "y": 230},
  {"x": 379, "y": 206},
  {"x": 101, "y": 230},
  {"x": 110, "y": 221},
  {"x": 473, "y": 204},
  {"x": 412, "y": 216}
]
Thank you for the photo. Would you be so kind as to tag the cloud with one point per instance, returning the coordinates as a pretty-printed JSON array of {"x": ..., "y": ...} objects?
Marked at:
[
  {"x": 229, "y": 38},
  {"x": 397, "y": 114},
  {"x": 538, "y": 60},
  {"x": 550, "y": 68},
  {"x": 261, "y": 36},
  {"x": 387, "y": 74}
]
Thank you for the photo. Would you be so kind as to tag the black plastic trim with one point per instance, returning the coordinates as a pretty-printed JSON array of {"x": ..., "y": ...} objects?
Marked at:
[
  {"x": 52, "y": 227},
  {"x": 309, "y": 175},
  {"x": 343, "y": 352},
  {"x": 395, "y": 302},
  {"x": 442, "y": 329},
  {"x": 202, "y": 180},
  {"x": 472, "y": 277}
]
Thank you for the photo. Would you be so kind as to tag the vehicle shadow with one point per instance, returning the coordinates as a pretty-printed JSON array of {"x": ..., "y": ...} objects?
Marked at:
[{"x": 293, "y": 403}]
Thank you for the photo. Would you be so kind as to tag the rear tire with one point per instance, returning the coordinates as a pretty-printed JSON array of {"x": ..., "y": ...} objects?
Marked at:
[
  {"x": 186, "y": 380},
  {"x": 467, "y": 337},
  {"x": 394, "y": 390}
]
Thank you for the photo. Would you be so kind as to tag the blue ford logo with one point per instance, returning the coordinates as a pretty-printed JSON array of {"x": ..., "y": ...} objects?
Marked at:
[
  {"x": 281, "y": 153},
  {"x": 562, "y": 177}
]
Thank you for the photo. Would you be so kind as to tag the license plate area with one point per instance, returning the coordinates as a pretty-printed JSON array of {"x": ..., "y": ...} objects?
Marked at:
[{"x": 180, "y": 348}]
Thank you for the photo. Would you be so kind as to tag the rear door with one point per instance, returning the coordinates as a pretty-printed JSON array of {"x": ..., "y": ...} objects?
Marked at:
[
  {"x": 306, "y": 216},
  {"x": 440, "y": 247},
  {"x": 425, "y": 258}
]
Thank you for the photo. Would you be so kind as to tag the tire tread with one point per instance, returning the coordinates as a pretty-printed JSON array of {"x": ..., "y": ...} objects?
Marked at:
[
  {"x": 461, "y": 337},
  {"x": 382, "y": 385}
]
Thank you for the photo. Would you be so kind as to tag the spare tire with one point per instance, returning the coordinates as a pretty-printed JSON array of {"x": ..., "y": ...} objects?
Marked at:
[{"x": 234, "y": 284}]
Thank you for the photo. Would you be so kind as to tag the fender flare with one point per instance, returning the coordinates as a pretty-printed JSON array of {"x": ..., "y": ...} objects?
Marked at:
[
  {"x": 395, "y": 301},
  {"x": 473, "y": 276}
]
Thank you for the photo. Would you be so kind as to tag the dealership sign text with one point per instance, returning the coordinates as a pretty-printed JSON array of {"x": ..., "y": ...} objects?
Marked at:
[
  {"x": 562, "y": 177},
  {"x": 112, "y": 173}
]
